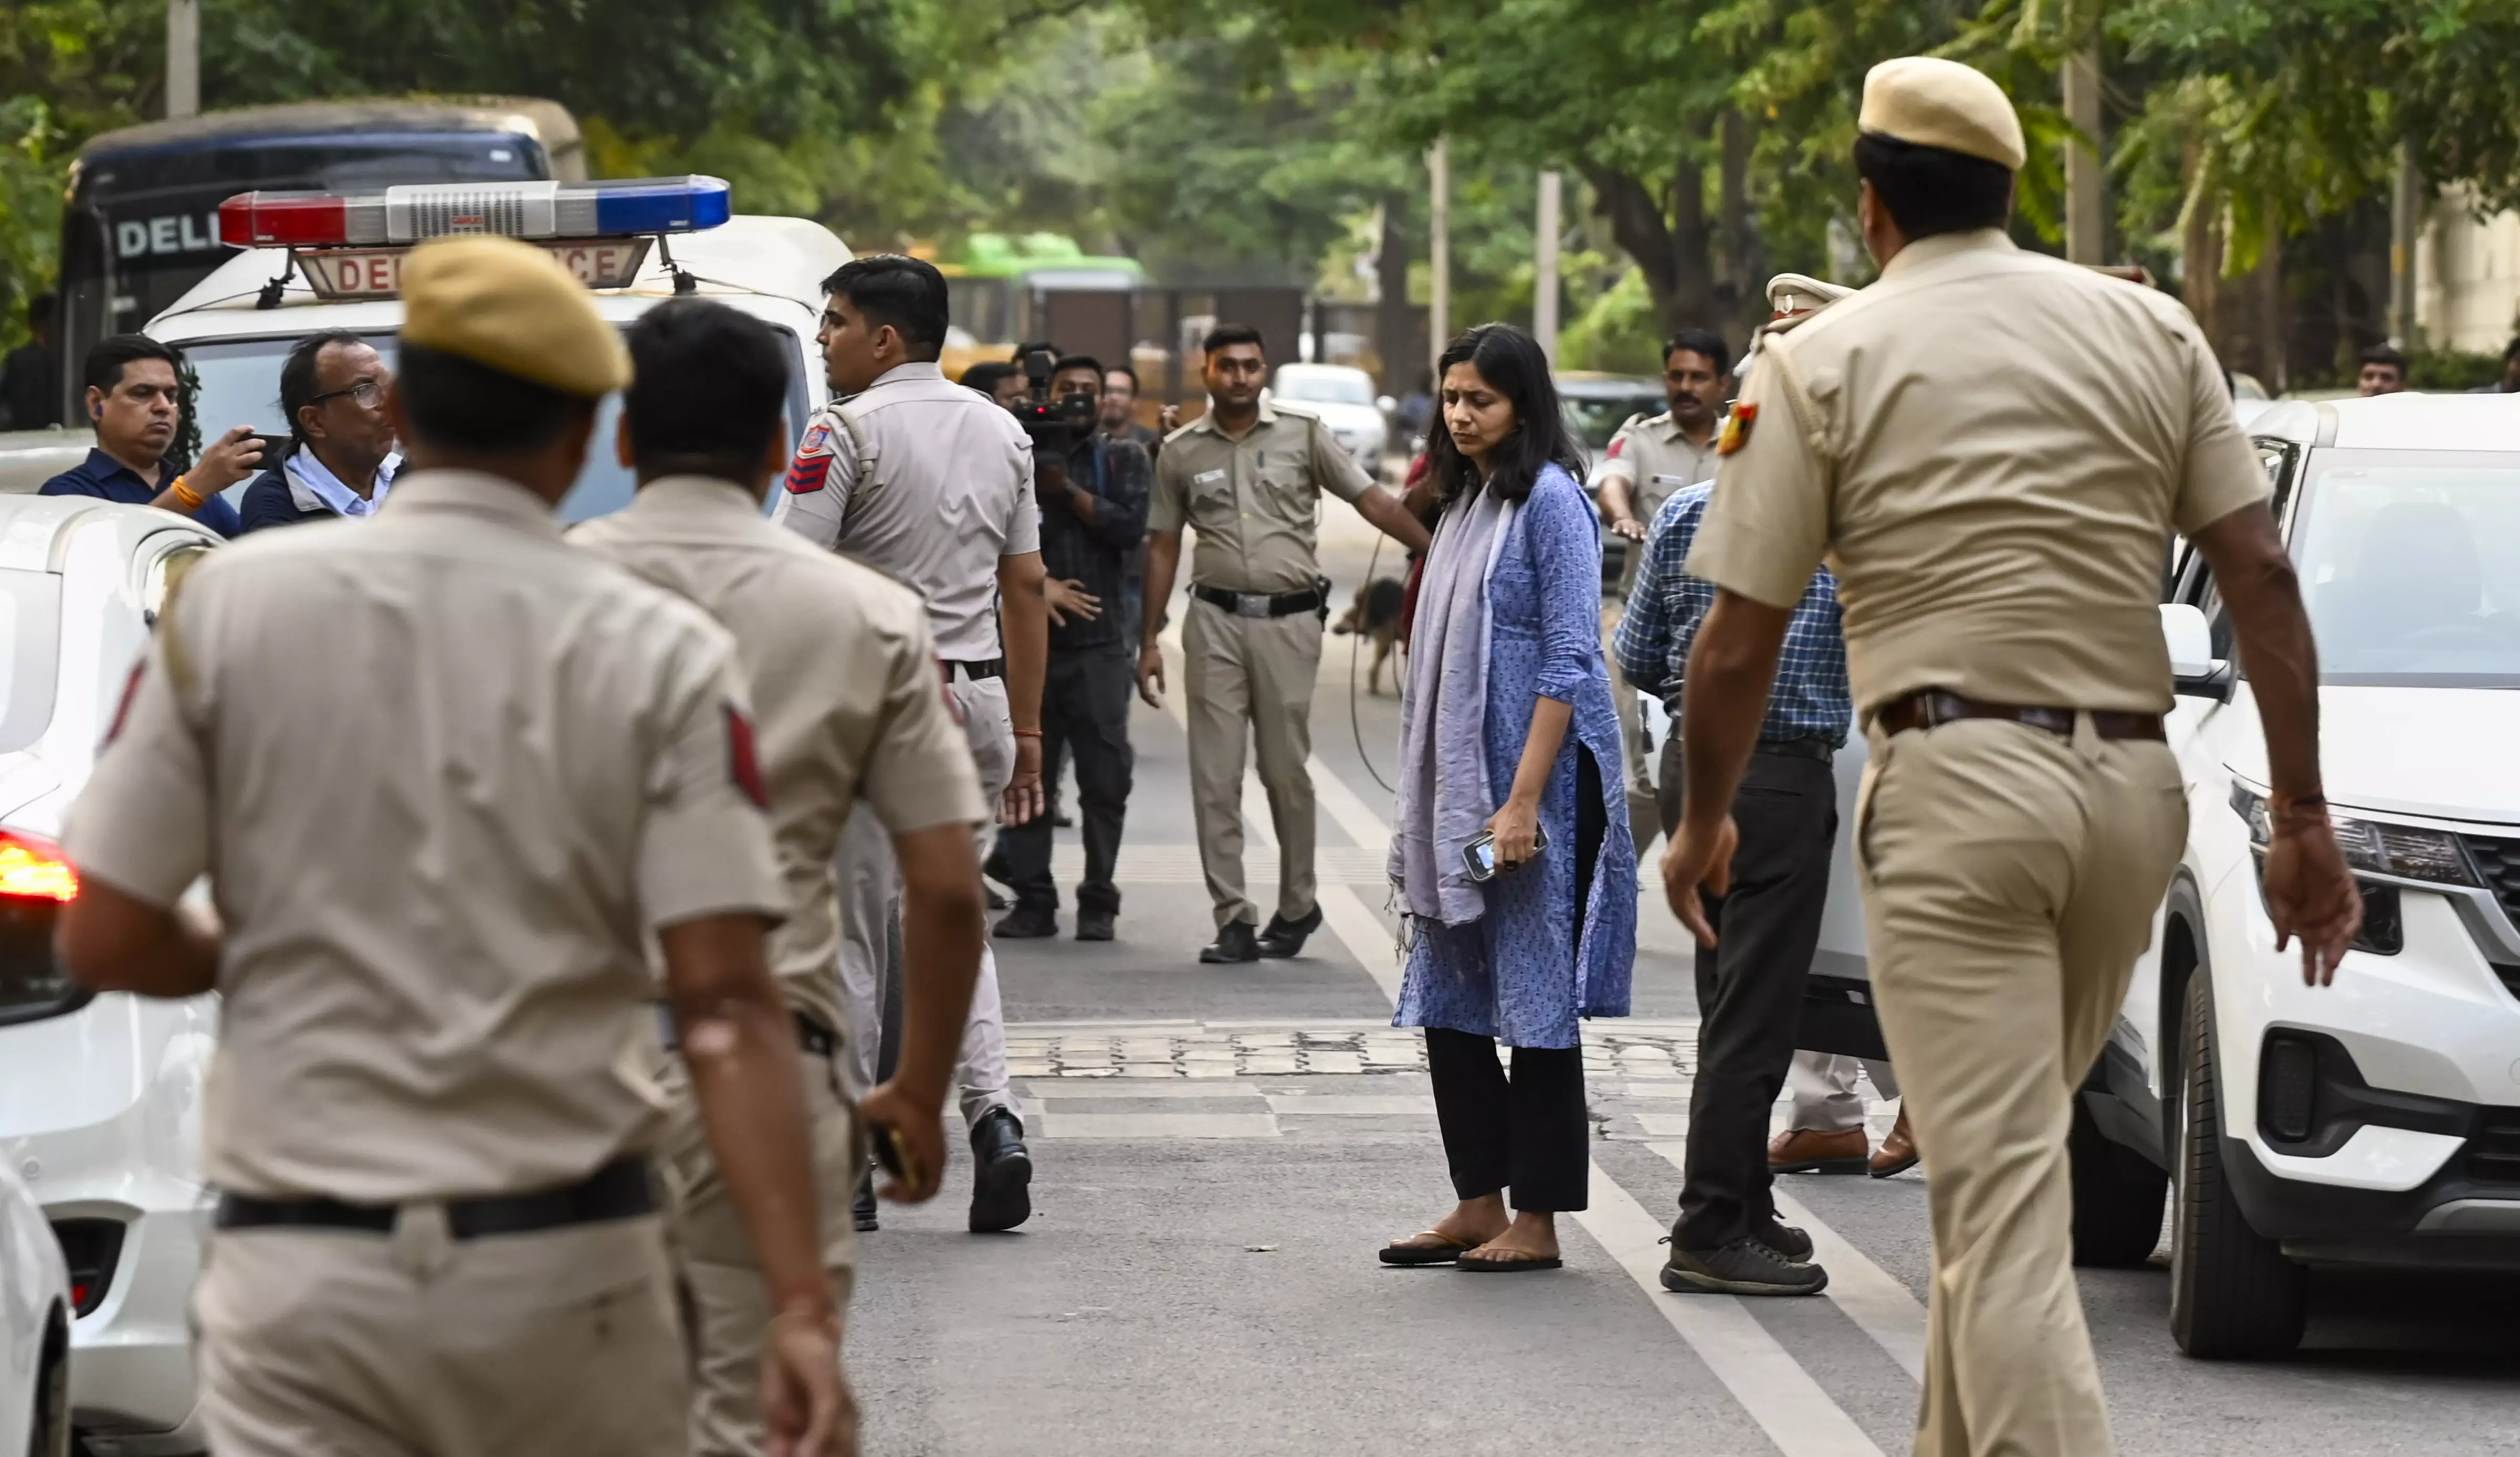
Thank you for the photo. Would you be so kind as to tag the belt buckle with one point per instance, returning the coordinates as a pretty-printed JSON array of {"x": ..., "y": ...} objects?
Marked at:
[{"x": 1251, "y": 605}]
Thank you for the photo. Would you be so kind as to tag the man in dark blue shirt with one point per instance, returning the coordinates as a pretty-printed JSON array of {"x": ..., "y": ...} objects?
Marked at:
[
  {"x": 132, "y": 405},
  {"x": 1093, "y": 514}
]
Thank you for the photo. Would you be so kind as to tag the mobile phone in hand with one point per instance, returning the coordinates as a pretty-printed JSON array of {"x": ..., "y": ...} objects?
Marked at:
[
  {"x": 894, "y": 1152},
  {"x": 1480, "y": 854},
  {"x": 275, "y": 448}
]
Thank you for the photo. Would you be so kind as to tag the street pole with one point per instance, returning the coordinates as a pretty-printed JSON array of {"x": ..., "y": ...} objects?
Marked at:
[
  {"x": 2086, "y": 198},
  {"x": 1439, "y": 271},
  {"x": 183, "y": 58},
  {"x": 2406, "y": 225},
  {"x": 1543, "y": 281}
]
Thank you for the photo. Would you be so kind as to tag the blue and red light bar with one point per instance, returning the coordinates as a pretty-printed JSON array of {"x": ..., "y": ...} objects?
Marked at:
[{"x": 515, "y": 209}]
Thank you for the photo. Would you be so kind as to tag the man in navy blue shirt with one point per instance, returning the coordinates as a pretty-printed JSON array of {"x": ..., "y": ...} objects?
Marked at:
[{"x": 132, "y": 405}]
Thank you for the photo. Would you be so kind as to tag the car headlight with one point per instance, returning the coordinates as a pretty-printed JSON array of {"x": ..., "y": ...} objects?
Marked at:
[{"x": 2372, "y": 847}]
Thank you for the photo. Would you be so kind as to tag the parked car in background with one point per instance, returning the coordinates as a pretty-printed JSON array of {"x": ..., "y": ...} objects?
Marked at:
[
  {"x": 100, "y": 1097},
  {"x": 34, "y": 1327},
  {"x": 1344, "y": 398},
  {"x": 1596, "y": 406}
]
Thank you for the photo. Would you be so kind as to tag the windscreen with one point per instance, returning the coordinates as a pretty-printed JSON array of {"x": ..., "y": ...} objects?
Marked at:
[
  {"x": 240, "y": 385},
  {"x": 1595, "y": 419},
  {"x": 1333, "y": 388},
  {"x": 2410, "y": 561}
]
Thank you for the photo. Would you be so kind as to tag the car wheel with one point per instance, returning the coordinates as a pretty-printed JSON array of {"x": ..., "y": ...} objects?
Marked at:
[
  {"x": 2233, "y": 1293},
  {"x": 49, "y": 1434},
  {"x": 2119, "y": 1197}
]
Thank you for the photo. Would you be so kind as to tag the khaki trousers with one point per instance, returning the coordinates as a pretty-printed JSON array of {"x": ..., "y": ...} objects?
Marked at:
[
  {"x": 1251, "y": 678},
  {"x": 2010, "y": 881},
  {"x": 870, "y": 905},
  {"x": 727, "y": 1305},
  {"x": 345, "y": 1344}
]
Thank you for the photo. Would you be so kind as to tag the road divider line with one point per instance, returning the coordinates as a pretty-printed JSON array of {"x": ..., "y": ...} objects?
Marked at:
[
  {"x": 1871, "y": 1296},
  {"x": 1798, "y": 1416}
]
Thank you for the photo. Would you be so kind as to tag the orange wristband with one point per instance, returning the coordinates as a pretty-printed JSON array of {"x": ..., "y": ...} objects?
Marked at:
[{"x": 191, "y": 499}]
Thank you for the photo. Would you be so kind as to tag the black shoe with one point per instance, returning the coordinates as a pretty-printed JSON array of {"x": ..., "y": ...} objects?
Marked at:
[
  {"x": 863, "y": 1208},
  {"x": 996, "y": 901},
  {"x": 1096, "y": 925},
  {"x": 1286, "y": 938},
  {"x": 1234, "y": 942},
  {"x": 1001, "y": 1172},
  {"x": 1029, "y": 923},
  {"x": 1785, "y": 1240},
  {"x": 1741, "y": 1268},
  {"x": 1058, "y": 818}
]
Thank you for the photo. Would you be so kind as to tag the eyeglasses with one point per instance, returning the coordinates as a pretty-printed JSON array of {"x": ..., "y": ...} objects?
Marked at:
[{"x": 367, "y": 393}]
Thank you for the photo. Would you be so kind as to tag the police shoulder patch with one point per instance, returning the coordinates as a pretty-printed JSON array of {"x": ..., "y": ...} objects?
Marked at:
[
  {"x": 1737, "y": 428},
  {"x": 743, "y": 762}
]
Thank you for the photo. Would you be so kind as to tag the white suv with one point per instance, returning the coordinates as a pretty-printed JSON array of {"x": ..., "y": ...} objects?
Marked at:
[{"x": 2377, "y": 1120}]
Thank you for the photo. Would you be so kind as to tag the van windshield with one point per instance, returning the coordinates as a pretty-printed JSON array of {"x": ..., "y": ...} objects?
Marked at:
[
  {"x": 2409, "y": 562},
  {"x": 240, "y": 385}
]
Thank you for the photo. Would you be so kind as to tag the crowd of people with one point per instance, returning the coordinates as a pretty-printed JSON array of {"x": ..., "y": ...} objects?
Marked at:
[{"x": 630, "y": 757}]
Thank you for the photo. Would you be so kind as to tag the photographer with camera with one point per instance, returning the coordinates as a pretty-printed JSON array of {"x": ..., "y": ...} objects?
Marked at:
[{"x": 1093, "y": 492}]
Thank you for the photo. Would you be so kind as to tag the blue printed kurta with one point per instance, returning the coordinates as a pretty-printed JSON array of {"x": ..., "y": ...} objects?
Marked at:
[{"x": 1518, "y": 974}]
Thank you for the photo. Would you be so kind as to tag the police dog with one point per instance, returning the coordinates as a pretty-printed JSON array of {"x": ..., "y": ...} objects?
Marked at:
[{"x": 1376, "y": 612}]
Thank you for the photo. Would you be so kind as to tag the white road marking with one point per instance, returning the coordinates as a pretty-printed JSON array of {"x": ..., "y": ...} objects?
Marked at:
[
  {"x": 1871, "y": 1296},
  {"x": 1767, "y": 1381},
  {"x": 1158, "y": 1126}
]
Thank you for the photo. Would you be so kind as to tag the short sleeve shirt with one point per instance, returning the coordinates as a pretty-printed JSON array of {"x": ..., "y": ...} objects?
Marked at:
[
  {"x": 1255, "y": 503},
  {"x": 1655, "y": 457},
  {"x": 1991, "y": 448},
  {"x": 443, "y": 828},
  {"x": 927, "y": 482},
  {"x": 846, "y": 694}
]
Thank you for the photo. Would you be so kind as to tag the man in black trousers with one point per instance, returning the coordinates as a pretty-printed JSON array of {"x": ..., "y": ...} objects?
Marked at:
[
  {"x": 1094, "y": 504},
  {"x": 1750, "y": 984}
]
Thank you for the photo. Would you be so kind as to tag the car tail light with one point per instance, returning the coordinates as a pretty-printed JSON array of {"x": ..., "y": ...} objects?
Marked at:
[
  {"x": 91, "y": 1248},
  {"x": 31, "y": 869}
]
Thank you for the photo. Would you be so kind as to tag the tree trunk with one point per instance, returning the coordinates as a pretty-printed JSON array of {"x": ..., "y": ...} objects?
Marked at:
[
  {"x": 1672, "y": 249},
  {"x": 2200, "y": 263},
  {"x": 1393, "y": 338}
]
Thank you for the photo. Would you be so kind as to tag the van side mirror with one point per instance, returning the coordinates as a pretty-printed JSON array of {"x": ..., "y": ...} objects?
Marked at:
[{"x": 2194, "y": 671}]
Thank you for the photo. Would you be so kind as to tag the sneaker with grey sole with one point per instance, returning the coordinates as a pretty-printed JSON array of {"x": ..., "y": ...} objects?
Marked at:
[{"x": 1743, "y": 1267}]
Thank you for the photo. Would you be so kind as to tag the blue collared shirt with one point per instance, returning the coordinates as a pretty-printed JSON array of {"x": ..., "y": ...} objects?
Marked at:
[
  {"x": 102, "y": 475},
  {"x": 1811, "y": 699}
]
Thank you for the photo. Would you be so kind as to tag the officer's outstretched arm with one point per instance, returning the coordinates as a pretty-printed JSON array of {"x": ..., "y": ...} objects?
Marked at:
[
  {"x": 112, "y": 940},
  {"x": 739, "y": 1040},
  {"x": 940, "y": 952},
  {"x": 1163, "y": 559},
  {"x": 1379, "y": 507}
]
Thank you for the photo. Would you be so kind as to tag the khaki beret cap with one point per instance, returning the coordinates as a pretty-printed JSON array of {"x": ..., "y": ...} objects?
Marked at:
[
  {"x": 511, "y": 306},
  {"x": 1935, "y": 102},
  {"x": 1802, "y": 292}
]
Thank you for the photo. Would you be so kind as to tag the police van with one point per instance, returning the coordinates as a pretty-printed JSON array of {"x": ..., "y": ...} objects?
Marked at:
[{"x": 317, "y": 261}]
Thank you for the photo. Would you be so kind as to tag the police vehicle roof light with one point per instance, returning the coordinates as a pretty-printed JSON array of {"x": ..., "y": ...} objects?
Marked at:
[{"x": 516, "y": 209}]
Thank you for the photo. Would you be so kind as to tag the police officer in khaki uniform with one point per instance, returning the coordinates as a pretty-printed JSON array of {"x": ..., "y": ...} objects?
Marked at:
[
  {"x": 1991, "y": 448},
  {"x": 430, "y": 1112},
  {"x": 1650, "y": 458},
  {"x": 1248, "y": 477},
  {"x": 846, "y": 701}
]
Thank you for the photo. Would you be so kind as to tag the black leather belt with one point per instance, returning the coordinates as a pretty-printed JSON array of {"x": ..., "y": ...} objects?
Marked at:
[
  {"x": 1809, "y": 746},
  {"x": 619, "y": 1190},
  {"x": 813, "y": 1038},
  {"x": 972, "y": 668},
  {"x": 1934, "y": 706},
  {"x": 1260, "y": 603}
]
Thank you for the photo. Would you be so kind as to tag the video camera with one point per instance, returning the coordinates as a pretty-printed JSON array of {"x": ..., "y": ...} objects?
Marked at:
[{"x": 1054, "y": 427}]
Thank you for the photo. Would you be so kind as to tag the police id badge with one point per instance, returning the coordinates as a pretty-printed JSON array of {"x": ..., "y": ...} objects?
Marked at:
[{"x": 1737, "y": 428}]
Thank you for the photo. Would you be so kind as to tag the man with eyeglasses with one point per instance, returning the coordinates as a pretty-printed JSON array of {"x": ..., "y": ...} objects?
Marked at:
[
  {"x": 133, "y": 403},
  {"x": 341, "y": 460}
]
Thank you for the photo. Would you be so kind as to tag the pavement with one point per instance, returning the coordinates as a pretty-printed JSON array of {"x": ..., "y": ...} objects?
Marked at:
[{"x": 1220, "y": 1151}]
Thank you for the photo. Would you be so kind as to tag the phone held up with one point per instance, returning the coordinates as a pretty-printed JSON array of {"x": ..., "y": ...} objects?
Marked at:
[{"x": 1480, "y": 854}]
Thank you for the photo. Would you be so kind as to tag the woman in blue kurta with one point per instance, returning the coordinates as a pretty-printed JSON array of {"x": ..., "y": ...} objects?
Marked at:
[{"x": 1508, "y": 728}]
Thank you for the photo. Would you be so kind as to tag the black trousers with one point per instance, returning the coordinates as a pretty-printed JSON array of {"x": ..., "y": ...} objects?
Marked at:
[
  {"x": 1750, "y": 988},
  {"x": 1084, "y": 711},
  {"x": 1527, "y": 1134}
]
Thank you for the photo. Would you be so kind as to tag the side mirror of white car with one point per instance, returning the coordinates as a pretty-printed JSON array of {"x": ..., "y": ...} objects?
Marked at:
[
  {"x": 2194, "y": 671},
  {"x": 1386, "y": 404}
]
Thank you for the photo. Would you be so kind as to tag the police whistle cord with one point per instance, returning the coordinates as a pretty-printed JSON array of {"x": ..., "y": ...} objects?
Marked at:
[{"x": 1355, "y": 649}]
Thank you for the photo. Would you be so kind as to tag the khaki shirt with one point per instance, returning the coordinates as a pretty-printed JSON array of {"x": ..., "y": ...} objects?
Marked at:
[
  {"x": 846, "y": 692},
  {"x": 445, "y": 773},
  {"x": 1255, "y": 501},
  {"x": 1991, "y": 448},
  {"x": 928, "y": 483},
  {"x": 1655, "y": 457}
]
